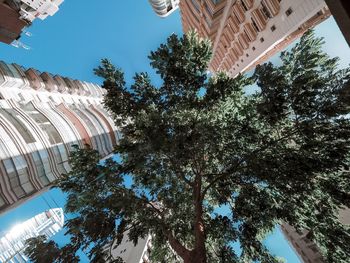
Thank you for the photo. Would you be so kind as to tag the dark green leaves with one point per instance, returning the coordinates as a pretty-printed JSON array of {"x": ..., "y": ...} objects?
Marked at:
[{"x": 279, "y": 155}]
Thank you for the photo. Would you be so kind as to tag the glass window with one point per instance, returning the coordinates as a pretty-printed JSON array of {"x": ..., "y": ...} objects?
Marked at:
[
  {"x": 13, "y": 178},
  {"x": 52, "y": 134},
  {"x": 91, "y": 127},
  {"x": 104, "y": 133},
  {"x": 195, "y": 4},
  {"x": 61, "y": 157},
  {"x": 289, "y": 11},
  {"x": 40, "y": 168},
  {"x": 13, "y": 117}
]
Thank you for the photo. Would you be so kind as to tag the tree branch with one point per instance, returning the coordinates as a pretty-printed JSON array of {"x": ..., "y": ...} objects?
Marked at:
[
  {"x": 252, "y": 154},
  {"x": 180, "y": 174}
]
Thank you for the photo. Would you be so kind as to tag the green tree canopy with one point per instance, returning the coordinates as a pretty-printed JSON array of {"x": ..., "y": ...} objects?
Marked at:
[{"x": 198, "y": 142}]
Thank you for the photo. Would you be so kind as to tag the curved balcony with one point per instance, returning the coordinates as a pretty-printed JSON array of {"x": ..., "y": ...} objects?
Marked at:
[
  {"x": 233, "y": 57},
  {"x": 233, "y": 23},
  {"x": 22, "y": 75},
  {"x": 35, "y": 80},
  {"x": 272, "y": 6},
  {"x": 61, "y": 84},
  {"x": 238, "y": 10},
  {"x": 72, "y": 87},
  {"x": 50, "y": 83},
  {"x": 259, "y": 20},
  {"x": 238, "y": 48},
  {"x": 243, "y": 40},
  {"x": 2, "y": 78},
  {"x": 86, "y": 88},
  {"x": 247, "y": 4},
  {"x": 250, "y": 31},
  {"x": 99, "y": 90},
  {"x": 81, "y": 90},
  {"x": 12, "y": 78}
]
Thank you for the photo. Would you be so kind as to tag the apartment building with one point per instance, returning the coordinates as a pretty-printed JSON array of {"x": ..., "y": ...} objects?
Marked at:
[
  {"x": 41, "y": 117},
  {"x": 307, "y": 250},
  {"x": 164, "y": 8},
  {"x": 131, "y": 253},
  {"x": 12, "y": 244},
  {"x": 15, "y": 15},
  {"x": 246, "y": 33}
]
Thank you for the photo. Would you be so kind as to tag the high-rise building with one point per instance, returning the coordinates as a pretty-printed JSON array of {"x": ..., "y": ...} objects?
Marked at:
[
  {"x": 41, "y": 117},
  {"x": 163, "y": 8},
  {"x": 15, "y": 15},
  {"x": 306, "y": 249},
  {"x": 12, "y": 244},
  {"x": 245, "y": 33},
  {"x": 131, "y": 253}
]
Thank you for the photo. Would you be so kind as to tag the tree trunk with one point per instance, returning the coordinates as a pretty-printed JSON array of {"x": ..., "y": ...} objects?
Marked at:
[{"x": 198, "y": 254}]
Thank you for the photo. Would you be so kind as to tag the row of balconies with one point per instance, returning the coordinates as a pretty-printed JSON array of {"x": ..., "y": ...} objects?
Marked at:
[
  {"x": 237, "y": 35},
  {"x": 13, "y": 75}
]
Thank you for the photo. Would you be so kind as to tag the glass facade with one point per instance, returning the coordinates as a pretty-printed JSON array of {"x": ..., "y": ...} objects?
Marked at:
[{"x": 13, "y": 117}]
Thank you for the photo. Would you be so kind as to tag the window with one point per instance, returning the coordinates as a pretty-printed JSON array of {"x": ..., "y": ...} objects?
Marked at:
[
  {"x": 43, "y": 122},
  {"x": 247, "y": 55},
  {"x": 244, "y": 6},
  {"x": 60, "y": 157},
  {"x": 242, "y": 60},
  {"x": 13, "y": 117},
  {"x": 195, "y": 4},
  {"x": 273, "y": 28},
  {"x": 39, "y": 166},
  {"x": 262, "y": 39},
  {"x": 255, "y": 26},
  {"x": 289, "y": 11},
  {"x": 13, "y": 178},
  {"x": 22, "y": 172},
  {"x": 253, "y": 48},
  {"x": 265, "y": 11},
  {"x": 208, "y": 9},
  {"x": 218, "y": 13}
]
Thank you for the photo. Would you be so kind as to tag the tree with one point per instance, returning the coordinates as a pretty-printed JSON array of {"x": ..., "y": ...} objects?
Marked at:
[{"x": 199, "y": 142}]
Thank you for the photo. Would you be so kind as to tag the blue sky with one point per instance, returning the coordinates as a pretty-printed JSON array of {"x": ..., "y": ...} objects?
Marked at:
[{"x": 72, "y": 42}]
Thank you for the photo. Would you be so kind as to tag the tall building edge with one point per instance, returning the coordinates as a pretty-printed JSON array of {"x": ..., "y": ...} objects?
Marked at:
[
  {"x": 245, "y": 33},
  {"x": 306, "y": 249},
  {"x": 12, "y": 244},
  {"x": 41, "y": 117},
  {"x": 164, "y": 8},
  {"x": 16, "y": 15}
]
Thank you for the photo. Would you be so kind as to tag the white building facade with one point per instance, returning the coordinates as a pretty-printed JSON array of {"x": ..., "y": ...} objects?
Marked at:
[
  {"x": 12, "y": 244},
  {"x": 31, "y": 9},
  {"x": 41, "y": 117},
  {"x": 164, "y": 8}
]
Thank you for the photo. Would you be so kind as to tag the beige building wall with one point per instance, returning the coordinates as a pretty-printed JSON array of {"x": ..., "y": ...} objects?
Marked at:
[
  {"x": 307, "y": 251},
  {"x": 245, "y": 33}
]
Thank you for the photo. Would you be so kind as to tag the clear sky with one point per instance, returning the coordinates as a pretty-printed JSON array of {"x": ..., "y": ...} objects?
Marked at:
[{"x": 72, "y": 42}]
